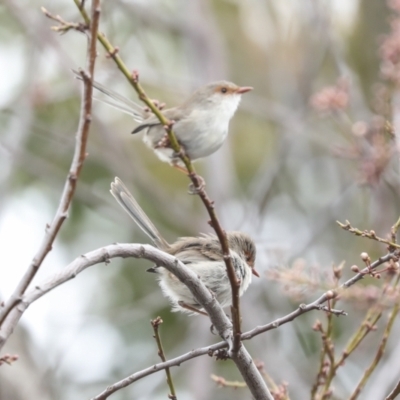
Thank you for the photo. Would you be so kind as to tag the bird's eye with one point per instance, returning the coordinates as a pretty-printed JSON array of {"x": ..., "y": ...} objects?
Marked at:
[
  {"x": 249, "y": 258},
  {"x": 224, "y": 90}
]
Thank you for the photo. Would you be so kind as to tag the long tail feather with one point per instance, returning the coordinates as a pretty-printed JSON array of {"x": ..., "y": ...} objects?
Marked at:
[
  {"x": 130, "y": 205},
  {"x": 117, "y": 101}
]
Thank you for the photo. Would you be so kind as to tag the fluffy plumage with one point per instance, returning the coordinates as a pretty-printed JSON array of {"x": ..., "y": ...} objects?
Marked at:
[
  {"x": 201, "y": 122},
  {"x": 202, "y": 254}
]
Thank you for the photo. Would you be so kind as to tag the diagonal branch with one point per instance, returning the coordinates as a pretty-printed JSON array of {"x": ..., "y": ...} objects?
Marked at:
[
  {"x": 133, "y": 79},
  {"x": 202, "y": 294},
  {"x": 207, "y": 300},
  {"x": 73, "y": 175},
  {"x": 219, "y": 319},
  {"x": 372, "y": 235},
  {"x": 210, "y": 350},
  {"x": 155, "y": 323},
  {"x": 394, "y": 393}
]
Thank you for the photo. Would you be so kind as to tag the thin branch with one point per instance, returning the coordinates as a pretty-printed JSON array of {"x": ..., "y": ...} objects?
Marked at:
[
  {"x": 8, "y": 359},
  {"x": 73, "y": 175},
  {"x": 327, "y": 349},
  {"x": 369, "y": 234},
  {"x": 378, "y": 355},
  {"x": 105, "y": 254},
  {"x": 393, "y": 232},
  {"x": 380, "y": 350},
  {"x": 394, "y": 393},
  {"x": 218, "y": 317},
  {"x": 155, "y": 323},
  {"x": 207, "y": 300},
  {"x": 368, "y": 325},
  {"x": 197, "y": 181},
  {"x": 63, "y": 26},
  {"x": 222, "y": 382},
  {"x": 189, "y": 278},
  {"x": 394, "y": 255},
  {"x": 316, "y": 305},
  {"x": 221, "y": 323},
  {"x": 177, "y": 361}
]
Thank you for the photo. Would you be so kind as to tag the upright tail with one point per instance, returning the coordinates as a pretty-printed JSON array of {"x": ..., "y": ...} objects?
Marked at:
[{"x": 130, "y": 205}]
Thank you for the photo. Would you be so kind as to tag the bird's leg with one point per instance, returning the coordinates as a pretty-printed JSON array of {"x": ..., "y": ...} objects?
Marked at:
[
  {"x": 190, "y": 308},
  {"x": 181, "y": 153},
  {"x": 179, "y": 167},
  {"x": 198, "y": 184},
  {"x": 163, "y": 143}
]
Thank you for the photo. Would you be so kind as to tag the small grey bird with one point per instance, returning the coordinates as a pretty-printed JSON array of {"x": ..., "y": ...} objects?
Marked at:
[
  {"x": 201, "y": 123},
  {"x": 202, "y": 254}
]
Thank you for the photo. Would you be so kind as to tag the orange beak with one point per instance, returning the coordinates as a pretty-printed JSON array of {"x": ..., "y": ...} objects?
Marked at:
[
  {"x": 255, "y": 273},
  {"x": 244, "y": 89}
]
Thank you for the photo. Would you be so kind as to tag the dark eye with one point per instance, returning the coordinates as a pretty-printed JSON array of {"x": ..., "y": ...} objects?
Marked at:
[
  {"x": 249, "y": 258},
  {"x": 224, "y": 90}
]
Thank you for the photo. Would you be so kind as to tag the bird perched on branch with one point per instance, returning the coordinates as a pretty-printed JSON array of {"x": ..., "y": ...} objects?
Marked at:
[
  {"x": 200, "y": 124},
  {"x": 202, "y": 254}
]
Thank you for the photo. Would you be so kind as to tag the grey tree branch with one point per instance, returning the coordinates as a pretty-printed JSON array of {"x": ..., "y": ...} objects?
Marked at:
[
  {"x": 222, "y": 324},
  {"x": 303, "y": 308},
  {"x": 217, "y": 316},
  {"x": 133, "y": 78},
  {"x": 73, "y": 175}
]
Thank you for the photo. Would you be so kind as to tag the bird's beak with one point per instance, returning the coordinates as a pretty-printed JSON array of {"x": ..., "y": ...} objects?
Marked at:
[
  {"x": 255, "y": 273},
  {"x": 244, "y": 89}
]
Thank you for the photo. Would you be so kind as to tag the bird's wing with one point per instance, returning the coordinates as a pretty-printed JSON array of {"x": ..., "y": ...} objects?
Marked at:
[{"x": 173, "y": 114}]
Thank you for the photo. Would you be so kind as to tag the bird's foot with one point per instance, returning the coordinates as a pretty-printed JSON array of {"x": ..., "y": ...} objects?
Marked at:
[
  {"x": 163, "y": 143},
  {"x": 198, "y": 184},
  {"x": 190, "y": 308}
]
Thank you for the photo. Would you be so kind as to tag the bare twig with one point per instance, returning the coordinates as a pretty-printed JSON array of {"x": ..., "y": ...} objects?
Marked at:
[
  {"x": 369, "y": 234},
  {"x": 316, "y": 305},
  {"x": 217, "y": 316},
  {"x": 158, "y": 367},
  {"x": 393, "y": 231},
  {"x": 378, "y": 355},
  {"x": 64, "y": 26},
  {"x": 8, "y": 359},
  {"x": 390, "y": 256},
  {"x": 73, "y": 175},
  {"x": 221, "y": 381},
  {"x": 329, "y": 367},
  {"x": 380, "y": 351},
  {"x": 278, "y": 391},
  {"x": 394, "y": 393},
  {"x": 155, "y": 323},
  {"x": 187, "y": 276},
  {"x": 133, "y": 79}
]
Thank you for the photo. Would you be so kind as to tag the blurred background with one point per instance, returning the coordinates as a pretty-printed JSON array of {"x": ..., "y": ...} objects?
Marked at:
[{"x": 313, "y": 143}]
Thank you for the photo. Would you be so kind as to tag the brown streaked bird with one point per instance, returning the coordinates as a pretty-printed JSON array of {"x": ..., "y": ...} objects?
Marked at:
[{"x": 202, "y": 254}]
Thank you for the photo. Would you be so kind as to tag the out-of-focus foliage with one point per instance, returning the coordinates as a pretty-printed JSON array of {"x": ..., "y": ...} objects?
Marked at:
[{"x": 309, "y": 146}]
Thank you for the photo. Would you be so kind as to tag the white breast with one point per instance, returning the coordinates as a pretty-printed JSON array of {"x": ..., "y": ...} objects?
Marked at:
[{"x": 205, "y": 130}]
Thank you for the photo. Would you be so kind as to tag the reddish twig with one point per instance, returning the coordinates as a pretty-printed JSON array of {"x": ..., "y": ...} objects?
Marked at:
[
  {"x": 8, "y": 359},
  {"x": 214, "y": 310},
  {"x": 394, "y": 393},
  {"x": 133, "y": 78},
  {"x": 73, "y": 175},
  {"x": 155, "y": 323},
  {"x": 221, "y": 322}
]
